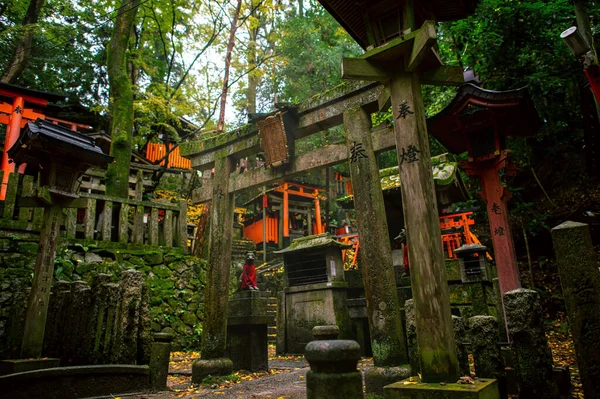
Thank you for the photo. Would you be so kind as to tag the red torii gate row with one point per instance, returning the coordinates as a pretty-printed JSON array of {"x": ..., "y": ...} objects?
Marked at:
[{"x": 15, "y": 115}]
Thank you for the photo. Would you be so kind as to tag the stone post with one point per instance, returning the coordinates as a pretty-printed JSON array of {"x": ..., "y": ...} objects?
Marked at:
[
  {"x": 411, "y": 337},
  {"x": 159, "y": 361},
  {"x": 383, "y": 307},
  {"x": 483, "y": 331},
  {"x": 214, "y": 333},
  {"x": 125, "y": 349},
  {"x": 37, "y": 306},
  {"x": 426, "y": 257},
  {"x": 387, "y": 334},
  {"x": 333, "y": 370},
  {"x": 532, "y": 355},
  {"x": 76, "y": 315},
  {"x": 460, "y": 338},
  {"x": 580, "y": 279},
  {"x": 247, "y": 340}
]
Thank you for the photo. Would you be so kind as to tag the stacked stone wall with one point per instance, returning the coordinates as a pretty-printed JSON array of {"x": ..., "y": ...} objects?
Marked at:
[{"x": 175, "y": 283}]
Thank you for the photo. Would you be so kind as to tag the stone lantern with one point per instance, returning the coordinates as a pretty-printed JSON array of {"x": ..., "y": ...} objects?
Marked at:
[
  {"x": 60, "y": 156},
  {"x": 473, "y": 263}
]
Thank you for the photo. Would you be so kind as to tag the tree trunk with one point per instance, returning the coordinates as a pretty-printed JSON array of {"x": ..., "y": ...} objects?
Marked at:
[
  {"x": 230, "y": 44},
  {"x": 583, "y": 21},
  {"x": 252, "y": 79},
  {"x": 23, "y": 49},
  {"x": 117, "y": 175}
]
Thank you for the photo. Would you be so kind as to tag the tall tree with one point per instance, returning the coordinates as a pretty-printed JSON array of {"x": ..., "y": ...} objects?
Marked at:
[
  {"x": 230, "y": 44},
  {"x": 23, "y": 48},
  {"x": 117, "y": 175}
]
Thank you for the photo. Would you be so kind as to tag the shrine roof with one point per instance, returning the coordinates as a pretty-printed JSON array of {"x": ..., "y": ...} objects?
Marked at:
[
  {"x": 351, "y": 14},
  {"x": 312, "y": 242},
  {"x": 8, "y": 90},
  {"x": 46, "y": 136},
  {"x": 474, "y": 110},
  {"x": 444, "y": 173}
]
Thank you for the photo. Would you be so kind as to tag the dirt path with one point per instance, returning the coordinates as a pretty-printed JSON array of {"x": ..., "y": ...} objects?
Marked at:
[{"x": 286, "y": 379}]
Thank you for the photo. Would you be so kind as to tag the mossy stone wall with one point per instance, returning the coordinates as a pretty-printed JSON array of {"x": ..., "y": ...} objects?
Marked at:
[{"x": 175, "y": 282}]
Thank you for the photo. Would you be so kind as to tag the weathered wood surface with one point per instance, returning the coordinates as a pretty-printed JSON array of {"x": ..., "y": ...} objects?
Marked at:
[
  {"x": 153, "y": 227},
  {"x": 580, "y": 281},
  {"x": 316, "y": 114},
  {"x": 139, "y": 186},
  {"x": 182, "y": 236},
  {"x": 168, "y": 228},
  {"x": 387, "y": 332},
  {"x": 124, "y": 223},
  {"x": 107, "y": 221},
  {"x": 11, "y": 195},
  {"x": 70, "y": 222},
  {"x": 27, "y": 190},
  {"x": 89, "y": 220},
  {"x": 37, "y": 307},
  {"x": 382, "y": 138},
  {"x": 428, "y": 273},
  {"x": 138, "y": 225},
  {"x": 424, "y": 40},
  {"x": 214, "y": 331}
]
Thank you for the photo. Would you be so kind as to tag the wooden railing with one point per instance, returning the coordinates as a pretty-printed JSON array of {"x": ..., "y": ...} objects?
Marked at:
[{"x": 99, "y": 217}]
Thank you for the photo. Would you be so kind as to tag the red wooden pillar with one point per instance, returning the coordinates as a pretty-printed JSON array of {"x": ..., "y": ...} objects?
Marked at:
[
  {"x": 286, "y": 216},
  {"x": 12, "y": 134},
  {"x": 318, "y": 213},
  {"x": 496, "y": 196}
]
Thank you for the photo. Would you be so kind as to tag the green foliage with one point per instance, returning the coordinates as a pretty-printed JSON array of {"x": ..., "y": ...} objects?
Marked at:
[{"x": 311, "y": 49}]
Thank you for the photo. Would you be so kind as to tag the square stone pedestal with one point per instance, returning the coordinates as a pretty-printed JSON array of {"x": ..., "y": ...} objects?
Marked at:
[
  {"x": 483, "y": 389},
  {"x": 22, "y": 365},
  {"x": 247, "y": 321}
]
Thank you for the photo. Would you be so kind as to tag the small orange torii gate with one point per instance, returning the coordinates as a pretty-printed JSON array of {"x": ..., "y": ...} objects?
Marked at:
[{"x": 256, "y": 230}]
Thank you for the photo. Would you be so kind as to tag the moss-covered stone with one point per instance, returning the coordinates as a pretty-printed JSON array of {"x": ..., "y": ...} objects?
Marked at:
[
  {"x": 153, "y": 258},
  {"x": 482, "y": 389},
  {"x": 27, "y": 248},
  {"x": 189, "y": 318},
  {"x": 136, "y": 261},
  {"x": 161, "y": 271}
]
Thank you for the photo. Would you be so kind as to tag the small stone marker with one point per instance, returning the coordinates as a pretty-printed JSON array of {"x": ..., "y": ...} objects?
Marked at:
[
  {"x": 532, "y": 355},
  {"x": 484, "y": 343},
  {"x": 333, "y": 369},
  {"x": 580, "y": 280},
  {"x": 460, "y": 337},
  {"x": 159, "y": 361}
]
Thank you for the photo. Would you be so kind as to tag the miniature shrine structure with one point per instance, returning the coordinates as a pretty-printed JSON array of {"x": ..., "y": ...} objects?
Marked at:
[
  {"x": 479, "y": 121},
  {"x": 18, "y": 106},
  {"x": 315, "y": 292}
]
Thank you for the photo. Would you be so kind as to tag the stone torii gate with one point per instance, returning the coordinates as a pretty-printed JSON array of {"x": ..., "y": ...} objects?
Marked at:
[{"x": 350, "y": 104}]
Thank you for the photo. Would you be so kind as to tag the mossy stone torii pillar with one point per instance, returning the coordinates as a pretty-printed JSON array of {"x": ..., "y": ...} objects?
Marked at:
[
  {"x": 397, "y": 64},
  {"x": 383, "y": 307},
  {"x": 435, "y": 335},
  {"x": 214, "y": 333}
]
